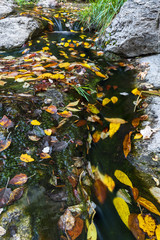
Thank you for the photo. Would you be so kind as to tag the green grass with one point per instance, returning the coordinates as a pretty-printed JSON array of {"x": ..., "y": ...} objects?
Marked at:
[
  {"x": 26, "y": 2},
  {"x": 99, "y": 14}
]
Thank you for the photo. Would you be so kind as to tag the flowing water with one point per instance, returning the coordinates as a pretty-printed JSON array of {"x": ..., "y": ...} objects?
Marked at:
[{"x": 107, "y": 154}]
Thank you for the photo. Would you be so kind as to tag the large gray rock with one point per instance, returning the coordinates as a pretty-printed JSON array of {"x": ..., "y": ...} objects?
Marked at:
[
  {"x": 135, "y": 30},
  {"x": 15, "y": 31},
  {"x": 47, "y": 3},
  {"x": 6, "y": 7}
]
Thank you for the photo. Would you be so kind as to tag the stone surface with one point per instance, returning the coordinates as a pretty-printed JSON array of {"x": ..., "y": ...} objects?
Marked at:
[
  {"x": 15, "y": 31},
  {"x": 135, "y": 30},
  {"x": 48, "y": 3},
  {"x": 6, "y": 7}
]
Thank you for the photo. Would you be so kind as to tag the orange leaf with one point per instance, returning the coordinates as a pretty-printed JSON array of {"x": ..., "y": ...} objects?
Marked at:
[
  {"x": 127, "y": 144},
  {"x": 100, "y": 191},
  {"x": 4, "y": 144},
  {"x": 51, "y": 109},
  {"x": 81, "y": 123},
  {"x": 135, "y": 193},
  {"x": 135, "y": 122},
  {"x": 6, "y": 122},
  {"x": 65, "y": 114},
  {"x": 77, "y": 229},
  {"x": 148, "y": 205},
  {"x": 19, "y": 179},
  {"x": 96, "y": 136}
]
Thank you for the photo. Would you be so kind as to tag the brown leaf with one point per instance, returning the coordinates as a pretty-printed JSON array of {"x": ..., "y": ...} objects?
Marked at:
[
  {"x": 81, "y": 123},
  {"x": 144, "y": 117},
  {"x": 51, "y": 109},
  {"x": 16, "y": 195},
  {"x": 135, "y": 122},
  {"x": 77, "y": 229},
  {"x": 96, "y": 136},
  {"x": 4, "y": 144},
  {"x": 19, "y": 179},
  {"x": 127, "y": 144},
  {"x": 4, "y": 196},
  {"x": 100, "y": 191},
  {"x": 135, "y": 193},
  {"x": 66, "y": 221},
  {"x": 133, "y": 224},
  {"x": 148, "y": 205},
  {"x": 6, "y": 122}
]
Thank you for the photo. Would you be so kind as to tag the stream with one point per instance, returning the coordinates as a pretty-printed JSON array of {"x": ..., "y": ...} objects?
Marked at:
[{"x": 25, "y": 97}]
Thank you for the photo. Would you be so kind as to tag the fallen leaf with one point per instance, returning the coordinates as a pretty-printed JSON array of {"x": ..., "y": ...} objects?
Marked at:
[
  {"x": 116, "y": 120},
  {"x": 105, "y": 101},
  {"x": 66, "y": 221},
  {"x": 6, "y": 122},
  {"x": 73, "y": 104},
  {"x": 77, "y": 229},
  {"x": 148, "y": 205},
  {"x": 99, "y": 74},
  {"x": 138, "y": 136},
  {"x": 92, "y": 232},
  {"x": 123, "y": 178},
  {"x": 107, "y": 181},
  {"x": 16, "y": 195},
  {"x": 147, "y": 132},
  {"x": 26, "y": 158},
  {"x": 113, "y": 128},
  {"x": 35, "y": 123},
  {"x": 81, "y": 123},
  {"x": 100, "y": 191},
  {"x": 133, "y": 224},
  {"x": 135, "y": 193},
  {"x": 19, "y": 179},
  {"x": 122, "y": 209},
  {"x": 2, "y": 83},
  {"x": 65, "y": 114},
  {"x": 127, "y": 144},
  {"x": 91, "y": 108},
  {"x": 4, "y": 196},
  {"x": 158, "y": 232},
  {"x": 96, "y": 136},
  {"x": 51, "y": 109},
  {"x": 64, "y": 65},
  {"x": 4, "y": 144},
  {"x": 136, "y": 91},
  {"x": 147, "y": 224},
  {"x": 48, "y": 132},
  {"x": 135, "y": 122},
  {"x": 114, "y": 99},
  {"x": 45, "y": 155}
]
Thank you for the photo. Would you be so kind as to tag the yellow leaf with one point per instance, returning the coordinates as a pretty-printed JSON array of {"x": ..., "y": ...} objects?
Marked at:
[
  {"x": 107, "y": 181},
  {"x": 149, "y": 205},
  {"x": 127, "y": 144},
  {"x": 35, "y": 123},
  {"x": 66, "y": 44},
  {"x": 26, "y": 158},
  {"x": 48, "y": 132},
  {"x": 158, "y": 232},
  {"x": 147, "y": 224},
  {"x": 99, "y": 74},
  {"x": 45, "y": 48},
  {"x": 105, "y": 101},
  {"x": 136, "y": 91},
  {"x": 100, "y": 95},
  {"x": 92, "y": 232},
  {"x": 123, "y": 178},
  {"x": 91, "y": 108},
  {"x": 4, "y": 144},
  {"x": 65, "y": 65},
  {"x": 82, "y": 55},
  {"x": 65, "y": 114},
  {"x": 45, "y": 156},
  {"x": 2, "y": 83},
  {"x": 138, "y": 136},
  {"x": 122, "y": 209},
  {"x": 114, "y": 99},
  {"x": 116, "y": 120},
  {"x": 96, "y": 136},
  {"x": 48, "y": 20},
  {"x": 73, "y": 104},
  {"x": 113, "y": 128}
]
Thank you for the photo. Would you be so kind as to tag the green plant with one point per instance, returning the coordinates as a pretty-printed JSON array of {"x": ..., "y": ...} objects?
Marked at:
[
  {"x": 81, "y": 91},
  {"x": 100, "y": 13},
  {"x": 26, "y": 2}
]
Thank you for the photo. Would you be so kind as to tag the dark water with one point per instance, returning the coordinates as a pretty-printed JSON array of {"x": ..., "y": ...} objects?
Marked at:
[{"x": 106, "y": 154}]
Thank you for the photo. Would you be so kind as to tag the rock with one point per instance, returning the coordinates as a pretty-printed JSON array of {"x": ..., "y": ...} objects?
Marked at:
[
  {"x": 135, "y": 30},
  {"x": 6, "y": 7},
  {"x": 47, "y": 3},
  {"x": 15, "y": 31}
]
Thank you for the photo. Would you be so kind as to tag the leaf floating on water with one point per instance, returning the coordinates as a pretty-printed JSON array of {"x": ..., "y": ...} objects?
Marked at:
[
  {"x": 48, "y": 20},
  {"x": 105, "y": 101},
  {"x": 4, "y": 144},
  {"x": 114, "y": 99},
  {"x": 81, "y": 123},
  {"x": 100, "y": 191},
  {"x": 19, "y": 179},
  {"x": 158, "y": 232},
  {"x": 123, "y": 178},
  {"x": 136, "y": 92},
  {"x": 16, "y": 195},
  {"x": 127, "y": 144},
  {"x": 26, "y": 158},
  {"x": 5, "y": 122},
  {"x": 116, "y": 120},
  {"x": 135, "y": 122},
  {"x": 133, "y": 224},
  {"x": 99, "y": 74},
  {"x": 51, "y": 109},
  {"x": 135, "y": 192},
  {"x": 91, "y": 108},
  {"x": 64, "y": 65},
  {"x": 138, "y": 136},
  {"x": 35, "y": 123},
  {"x": 96, "y": 136},
  {"x": 122, "y": 209},
  {"x": 77, "y": 229},
  {"x": 113, "y": 128},
  {"x": 148, "y": 205},
  {"x": 65, "y": 114},
  {"x": 73, "y": 104},
  {"x": 92, "y": 232},
  {"x": 4, "y": 196},
  {"x": 147, "y": 224}
]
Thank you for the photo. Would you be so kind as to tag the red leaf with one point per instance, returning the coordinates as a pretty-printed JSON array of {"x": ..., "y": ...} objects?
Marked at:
[{"x": 77, "y": 229}]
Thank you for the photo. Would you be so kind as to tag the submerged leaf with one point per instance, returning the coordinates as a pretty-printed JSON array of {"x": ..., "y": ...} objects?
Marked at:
[
  {"x": 127, "y": 144},
  {"x": 122, "y": 209},
  {"x": 133, "y": 224},
  {"x": 100, "y": 191},
  {"x": 123, "y": 178}
]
